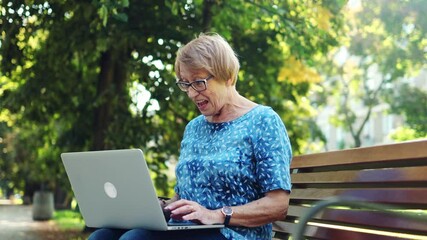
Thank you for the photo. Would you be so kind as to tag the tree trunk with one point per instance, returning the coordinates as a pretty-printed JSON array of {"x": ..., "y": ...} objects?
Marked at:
[
  {"x": 207, "y": 15},
  {"x": 105, "y": 90},
  {"x": 62, "y": 199},
  {"x": 111, "y": 92},
  {"x": 29, "y": 190}
]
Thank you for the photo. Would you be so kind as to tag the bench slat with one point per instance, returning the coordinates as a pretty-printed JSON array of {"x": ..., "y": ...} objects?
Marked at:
[
  {"x": 388, "y": 177},
  {"x": 399, "y": 152},
  {"x": 404, "y": 196}
]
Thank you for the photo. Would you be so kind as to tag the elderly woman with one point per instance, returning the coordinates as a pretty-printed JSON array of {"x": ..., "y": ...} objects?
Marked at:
[{"x": 234, "y": 161}]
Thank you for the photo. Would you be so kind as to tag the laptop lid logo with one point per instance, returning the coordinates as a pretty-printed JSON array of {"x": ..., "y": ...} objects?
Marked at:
[{"x": 110, "y": 190}]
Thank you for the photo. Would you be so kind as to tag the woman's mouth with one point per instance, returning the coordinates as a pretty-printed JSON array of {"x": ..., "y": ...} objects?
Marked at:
[{"x": 202, "y": 104}]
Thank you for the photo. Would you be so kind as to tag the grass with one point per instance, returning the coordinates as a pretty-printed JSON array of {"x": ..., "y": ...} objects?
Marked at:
[
  {"x": 70, "y": 226},
  {"x": 68, "y": 220}
]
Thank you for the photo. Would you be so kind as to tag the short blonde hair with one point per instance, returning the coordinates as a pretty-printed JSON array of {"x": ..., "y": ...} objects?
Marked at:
[{"x": 211, "y": 52}]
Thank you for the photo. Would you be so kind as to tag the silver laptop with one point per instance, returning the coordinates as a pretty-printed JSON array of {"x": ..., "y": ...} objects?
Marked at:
[{"x": 114, "y": 190}]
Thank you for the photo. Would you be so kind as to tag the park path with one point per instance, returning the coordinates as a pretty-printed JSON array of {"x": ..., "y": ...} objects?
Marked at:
[{"x": 16, "y": 223}]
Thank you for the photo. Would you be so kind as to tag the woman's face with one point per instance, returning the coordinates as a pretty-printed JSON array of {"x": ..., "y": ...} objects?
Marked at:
[{"x": 210, "y": 101}]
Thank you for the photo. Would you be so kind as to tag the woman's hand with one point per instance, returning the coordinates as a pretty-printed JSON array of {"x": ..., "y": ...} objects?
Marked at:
[
  {"x": 192, "y": 211},
  {"x": 162, "y": 202},
  {"x": 166, "y": 212}
]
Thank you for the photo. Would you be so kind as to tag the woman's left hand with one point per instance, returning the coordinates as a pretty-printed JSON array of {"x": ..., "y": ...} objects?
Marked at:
[{"x": 192, "y": 211}]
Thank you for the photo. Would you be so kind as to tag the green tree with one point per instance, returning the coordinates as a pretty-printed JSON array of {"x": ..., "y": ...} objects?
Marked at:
[
  {"x": 71, "y": 69},
  {"x": 410, "y": 102},
  {"x": 385, "y": 42}
]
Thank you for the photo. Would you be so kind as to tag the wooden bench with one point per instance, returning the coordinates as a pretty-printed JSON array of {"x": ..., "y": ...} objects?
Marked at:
[{"x": 394, "y": 175}]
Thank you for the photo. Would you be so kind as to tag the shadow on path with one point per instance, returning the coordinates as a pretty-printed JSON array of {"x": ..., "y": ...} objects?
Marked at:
[{"x": 16, "y": 222}]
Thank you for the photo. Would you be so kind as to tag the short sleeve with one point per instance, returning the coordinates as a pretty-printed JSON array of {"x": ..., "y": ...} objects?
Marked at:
[{"x": 273, "y": 153}]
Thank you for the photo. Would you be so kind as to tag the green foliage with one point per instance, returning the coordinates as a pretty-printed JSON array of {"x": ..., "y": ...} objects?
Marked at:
[
  {"x": 385, "y": 42},
  {"x": 69, "y": 67},
  {"x": 402, "y": 134},
  {"x": 391, "y": 36},
  {"x": 410, "y": 102}
]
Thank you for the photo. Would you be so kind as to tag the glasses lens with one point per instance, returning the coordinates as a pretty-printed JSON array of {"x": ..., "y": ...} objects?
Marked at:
[
  {"x": 183, "y": 86},
  {"x": 199, "y": 85}
]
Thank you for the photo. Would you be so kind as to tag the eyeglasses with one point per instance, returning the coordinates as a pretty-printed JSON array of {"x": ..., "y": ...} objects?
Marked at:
[{"x": 199, "y": 85}]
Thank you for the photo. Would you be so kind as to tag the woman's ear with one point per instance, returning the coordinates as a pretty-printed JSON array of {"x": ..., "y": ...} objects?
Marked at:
[{"x": 229, "y": 82}]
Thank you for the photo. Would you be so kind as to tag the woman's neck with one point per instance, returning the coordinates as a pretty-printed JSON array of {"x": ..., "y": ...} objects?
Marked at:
[{"x": 237, "y": 107}]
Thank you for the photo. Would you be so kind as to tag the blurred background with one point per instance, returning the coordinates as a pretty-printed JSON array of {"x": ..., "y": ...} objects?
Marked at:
[{"x": 94, "y": 75}]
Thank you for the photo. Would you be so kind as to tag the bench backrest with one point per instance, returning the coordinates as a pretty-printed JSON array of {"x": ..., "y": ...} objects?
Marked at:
[{"x": 388, "y": 174}]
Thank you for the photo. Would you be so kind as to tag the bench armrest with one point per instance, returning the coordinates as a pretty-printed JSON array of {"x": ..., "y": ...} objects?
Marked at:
[{"x": 349, "y": 202}]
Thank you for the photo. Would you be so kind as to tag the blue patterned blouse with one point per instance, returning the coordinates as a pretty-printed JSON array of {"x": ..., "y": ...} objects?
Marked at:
[{"x": 233, "y": 163}]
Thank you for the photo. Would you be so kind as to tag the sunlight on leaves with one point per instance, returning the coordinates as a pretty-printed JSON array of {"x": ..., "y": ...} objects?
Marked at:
[
  {"x": 7, "y": 117},
  {"x": 322, "y": 16},
  {"x": 295, "y": 71}
]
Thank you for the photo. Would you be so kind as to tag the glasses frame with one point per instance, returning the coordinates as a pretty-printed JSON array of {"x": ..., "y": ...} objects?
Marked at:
[{"x": 184, "y": 86}]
